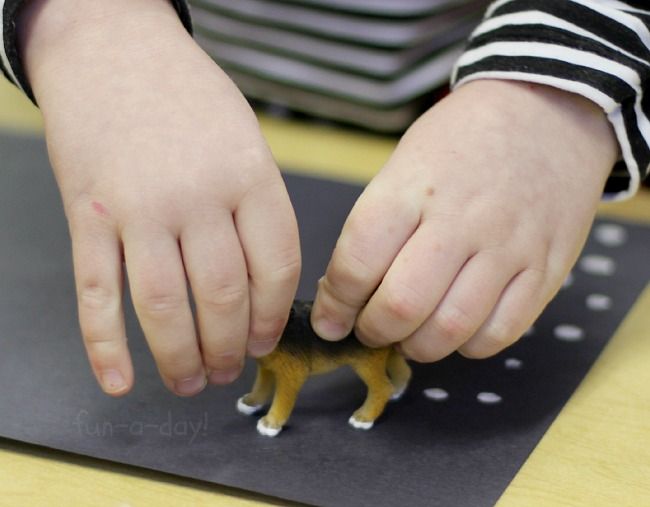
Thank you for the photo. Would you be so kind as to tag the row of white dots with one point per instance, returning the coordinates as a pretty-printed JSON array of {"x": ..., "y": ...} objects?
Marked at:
[
  {"x": 573, "y": 333},
  {"x": 606, "y": 234},
  {"x": 485, "y": 397},
  {"x": 439, "y": 394}
]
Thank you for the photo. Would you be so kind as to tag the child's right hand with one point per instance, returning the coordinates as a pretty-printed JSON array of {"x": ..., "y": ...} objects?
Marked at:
[{"x": 160, "y": 162}]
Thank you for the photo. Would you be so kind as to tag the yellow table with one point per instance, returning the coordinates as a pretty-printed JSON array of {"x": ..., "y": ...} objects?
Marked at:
[{"x": 596, "y": 453}]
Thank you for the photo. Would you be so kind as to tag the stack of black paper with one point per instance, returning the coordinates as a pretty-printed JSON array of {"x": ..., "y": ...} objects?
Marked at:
[{"x": 373, "y": 63}]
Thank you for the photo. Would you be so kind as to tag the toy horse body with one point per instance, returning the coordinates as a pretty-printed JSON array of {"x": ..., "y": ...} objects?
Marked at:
[{"x": 301, "y": 353}]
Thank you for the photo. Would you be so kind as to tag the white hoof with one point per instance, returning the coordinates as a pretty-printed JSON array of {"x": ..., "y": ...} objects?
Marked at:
[
  {"x": 245, "y": 408},
  {"x": 265, "y": 430},
  {"x": 397, "y": 394},
  {"x": 360, "y": 425}
]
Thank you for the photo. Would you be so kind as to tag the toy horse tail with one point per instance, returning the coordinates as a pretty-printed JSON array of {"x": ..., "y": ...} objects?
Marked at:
[{"x": 399, "y": 372}]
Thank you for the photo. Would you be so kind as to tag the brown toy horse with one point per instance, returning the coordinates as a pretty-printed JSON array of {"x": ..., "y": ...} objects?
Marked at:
[{"x": 301, "y": 353}]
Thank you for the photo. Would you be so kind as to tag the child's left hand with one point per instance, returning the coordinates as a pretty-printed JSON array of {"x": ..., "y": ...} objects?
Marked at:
[{"x": 472, "y": 225}]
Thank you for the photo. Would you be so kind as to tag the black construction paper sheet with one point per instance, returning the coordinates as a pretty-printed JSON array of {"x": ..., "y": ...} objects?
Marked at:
[{"x": 457, "y": 437}]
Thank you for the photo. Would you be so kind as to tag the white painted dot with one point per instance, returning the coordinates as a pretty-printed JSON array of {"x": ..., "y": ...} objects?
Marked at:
[
  {"x": 568, "y": 281},
  {"x": 610, "y": 234},
  {"x": 488, "y": 398},
  {"x": 598, "y": 265},
  {"x": 568, "y": 333},
  {"x": 598, "y": 302},
  {"x": 512, "y": 363},
  {"x": 436, "y": 394}
]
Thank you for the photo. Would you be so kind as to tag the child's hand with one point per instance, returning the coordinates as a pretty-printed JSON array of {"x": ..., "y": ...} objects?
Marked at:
[
  {"x": 160, "y": 161},
  {"x": 473, "y": 224}
]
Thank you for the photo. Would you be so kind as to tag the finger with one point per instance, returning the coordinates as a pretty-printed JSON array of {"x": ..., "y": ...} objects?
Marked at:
[
  {"x": 269, "y": 235},
  {"x": 413, "y": 286},
  {"x": 375, "y": 231},
  {"x": 216, "y": 269},
  {"x": 99, "y": 283},
  {"x": 519, "y": 306},
  {"x": 160, "y": 298},
  {"x": 464, "y": 308}
]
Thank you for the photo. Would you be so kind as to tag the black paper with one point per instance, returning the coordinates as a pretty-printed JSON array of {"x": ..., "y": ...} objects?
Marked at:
[{"x": 457, "y": 452}]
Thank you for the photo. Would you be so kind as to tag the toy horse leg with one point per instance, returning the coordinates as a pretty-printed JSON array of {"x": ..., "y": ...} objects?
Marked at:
[
  {"x": 288, "y": 381},
  {"x": 260, "y": 394},
  {"x": 372, "y": 371},
  {"x": 399, "y": 373}
]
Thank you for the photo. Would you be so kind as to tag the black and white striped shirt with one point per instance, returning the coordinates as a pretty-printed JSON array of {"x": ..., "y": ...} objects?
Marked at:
[{"x": 599, "y": 49}]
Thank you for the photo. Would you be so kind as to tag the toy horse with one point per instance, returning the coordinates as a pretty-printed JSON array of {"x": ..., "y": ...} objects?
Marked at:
[{"x": 301, "y": 353}]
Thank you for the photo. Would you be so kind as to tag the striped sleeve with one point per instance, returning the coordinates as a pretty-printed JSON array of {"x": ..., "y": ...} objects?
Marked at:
[
  {"x": 599, "y": 49},
  {"x": 10, "y": 62}
]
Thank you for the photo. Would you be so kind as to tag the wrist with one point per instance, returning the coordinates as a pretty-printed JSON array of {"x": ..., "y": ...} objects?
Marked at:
[
  {"x": 549, "y": 113},
  {"x": 55, "y": 35}
]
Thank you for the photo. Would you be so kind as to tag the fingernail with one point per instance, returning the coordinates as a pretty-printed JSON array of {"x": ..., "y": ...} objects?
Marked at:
[
  {"x": 112, "y": 381},
  {"x": 221, "y": 377},
  {"x": 261, "y": 348},
  {"x": 190, "y": 386},
  {"x": 329, "y": 329}
]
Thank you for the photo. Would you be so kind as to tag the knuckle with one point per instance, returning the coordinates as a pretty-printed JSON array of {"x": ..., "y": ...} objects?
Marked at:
[
  {"x": 404, "y": 304},
  {"x": 76, "y": 209},
  {"x": 533, "y": 278},
  {"x": 100, "y": 345},
  {"x": 491, "y": 341},
  {"x": 255, "y": 156},
  {"x": 420, "y": 352},
  {"x": 83, "y": 217},
  {"x": 372, "y": 333},
  {"x": 95, "y": 296},
  {"x": 504, "y": 222},
  {"x": 263, "y": 329},
  {"x": 223, "y": 361},
  {"x": 102, "y": 349},
  {"x": 333, "y": 298},
  {"x": 174, "y": 358},
  {"x": 222, "y": 298},
  {"x": 357, "y": 224},
  {"x": 97, "y": 340},
  {"x": 500, "y": 335},
  {"x": 351, "y": 269},
  {"x": 256, "y": 183},
  {"x": 288, "y": 270},
  {"x": 452, "y": 323},
  {"x": 160, "y": 305}
]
